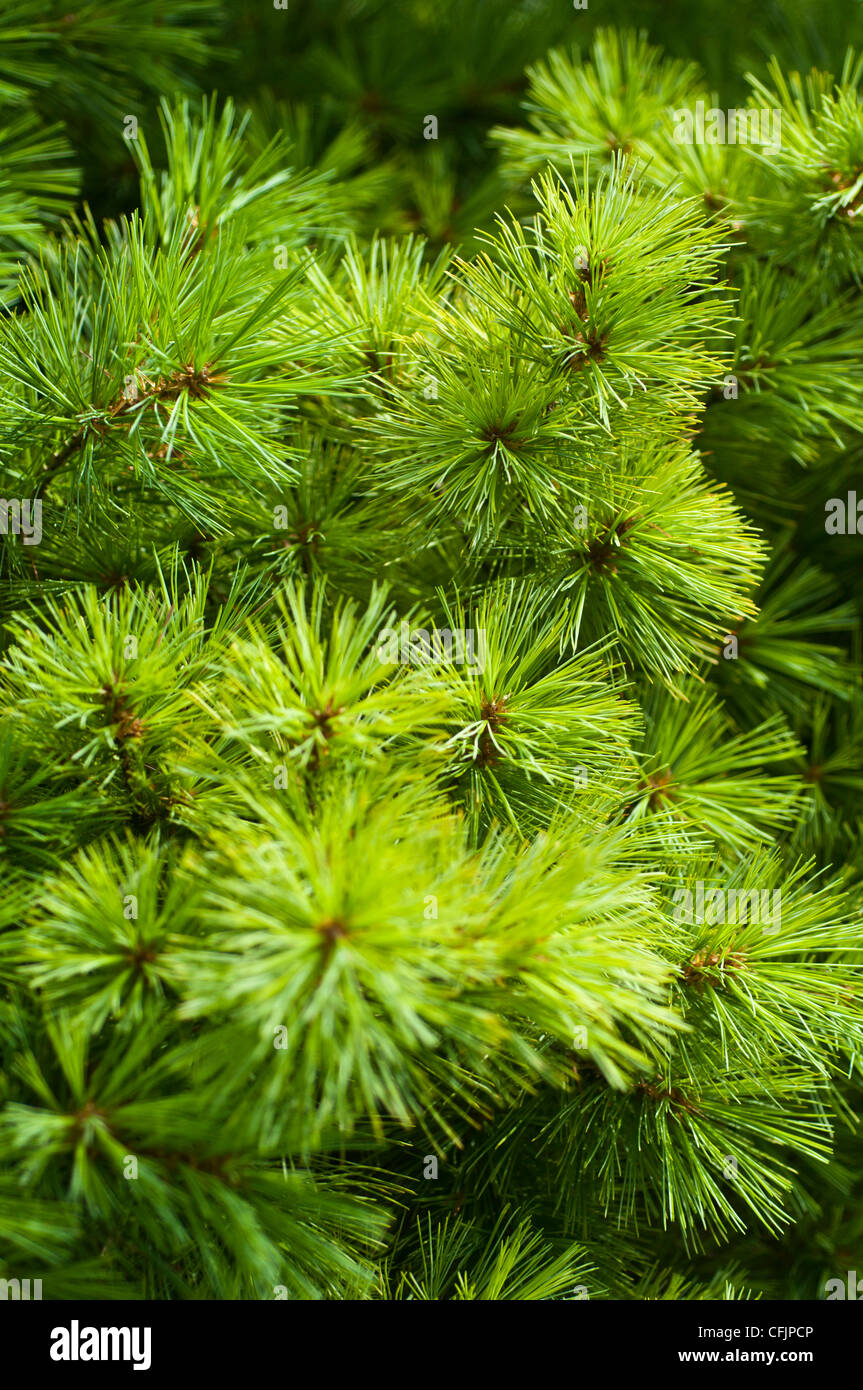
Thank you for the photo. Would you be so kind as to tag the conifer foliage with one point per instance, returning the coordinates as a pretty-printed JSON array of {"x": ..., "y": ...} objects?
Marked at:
[{"x": 430, "y": 708}]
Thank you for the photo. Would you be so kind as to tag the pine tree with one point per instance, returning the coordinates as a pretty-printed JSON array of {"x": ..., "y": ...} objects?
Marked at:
[{"x": 430, "y": 704}]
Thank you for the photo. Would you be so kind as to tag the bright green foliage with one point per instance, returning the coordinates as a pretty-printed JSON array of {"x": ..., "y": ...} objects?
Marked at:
[{"x": 430, "y": 714}]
